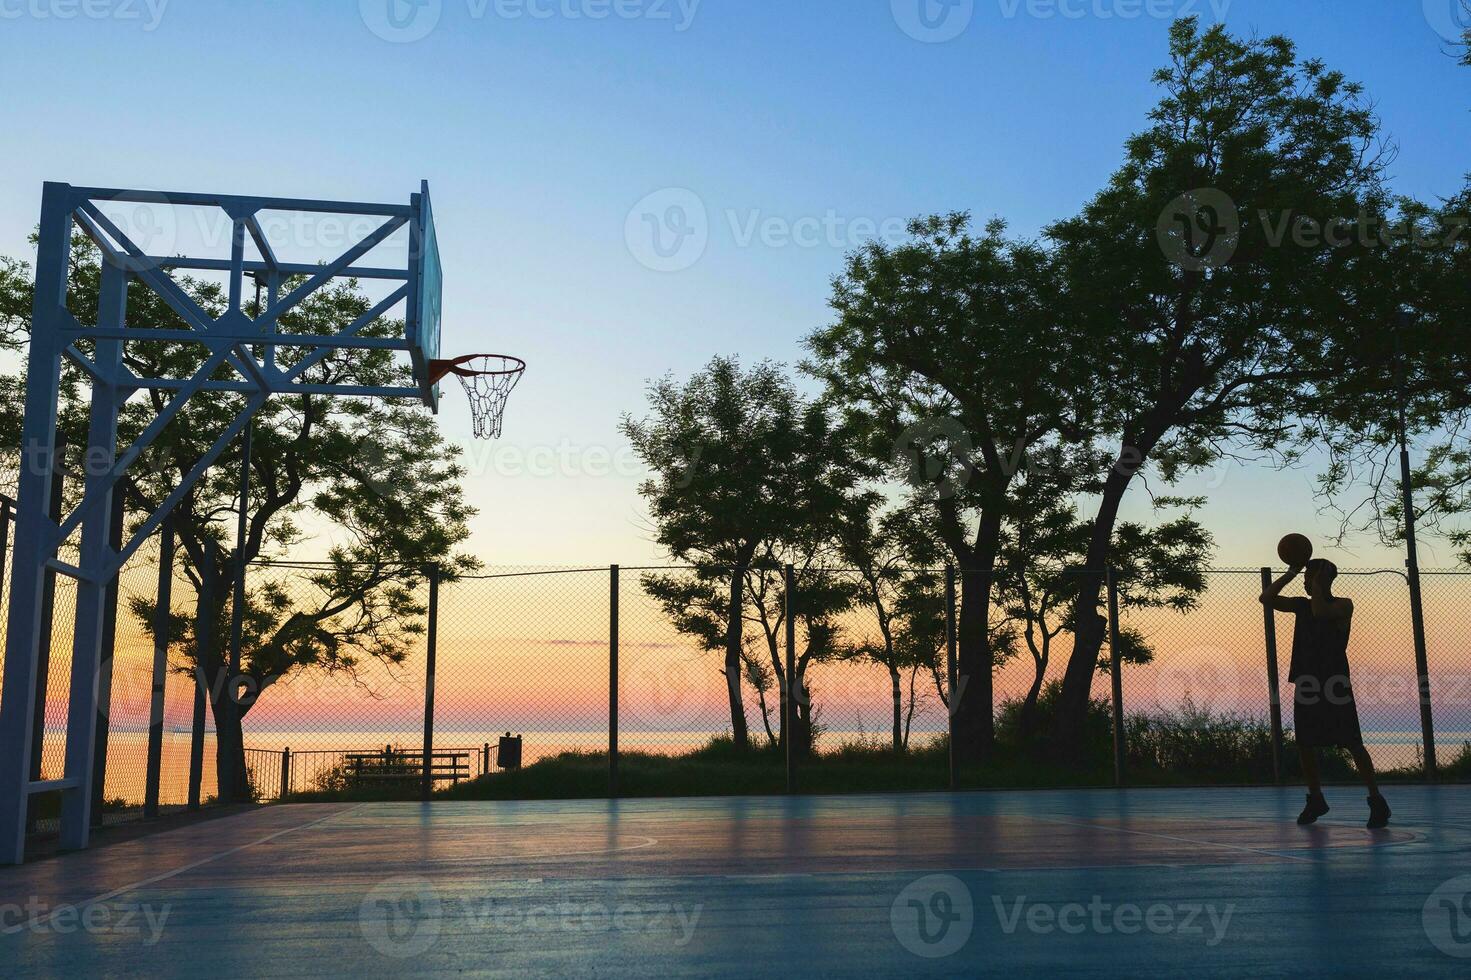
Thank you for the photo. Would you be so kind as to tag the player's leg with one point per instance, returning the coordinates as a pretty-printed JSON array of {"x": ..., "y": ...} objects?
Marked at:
[
  {"x": 1379, "y": 812},
  {"x": 1316, "y": 805}
]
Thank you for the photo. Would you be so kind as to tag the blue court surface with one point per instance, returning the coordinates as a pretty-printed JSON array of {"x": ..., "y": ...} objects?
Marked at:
[{"x": 1104, "y": 883}]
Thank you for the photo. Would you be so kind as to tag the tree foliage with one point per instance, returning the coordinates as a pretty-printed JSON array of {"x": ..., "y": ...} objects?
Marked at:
[
  {"x": 1220, "y": 274},
  {"x": 745, "y": 476}
]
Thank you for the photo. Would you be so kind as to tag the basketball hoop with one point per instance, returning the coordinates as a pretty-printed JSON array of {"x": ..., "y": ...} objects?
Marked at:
[{"x": 488, "y": 380}]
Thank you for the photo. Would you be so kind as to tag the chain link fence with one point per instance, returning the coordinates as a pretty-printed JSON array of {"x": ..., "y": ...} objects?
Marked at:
[{"x": 537, "y": 653}]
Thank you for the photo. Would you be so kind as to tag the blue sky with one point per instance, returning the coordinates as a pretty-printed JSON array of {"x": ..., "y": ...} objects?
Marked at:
[{"x": 784, "y": 132}]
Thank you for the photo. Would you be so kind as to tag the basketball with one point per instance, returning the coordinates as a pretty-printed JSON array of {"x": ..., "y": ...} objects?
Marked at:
[{"x": 1295, "y": 550}]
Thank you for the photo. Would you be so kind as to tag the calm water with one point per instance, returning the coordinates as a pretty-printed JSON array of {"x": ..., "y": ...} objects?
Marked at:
[{"x": 315, "y": 752}]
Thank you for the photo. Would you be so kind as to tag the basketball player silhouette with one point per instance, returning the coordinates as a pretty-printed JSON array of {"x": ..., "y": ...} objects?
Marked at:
[{"x": 1324, "y": 711}]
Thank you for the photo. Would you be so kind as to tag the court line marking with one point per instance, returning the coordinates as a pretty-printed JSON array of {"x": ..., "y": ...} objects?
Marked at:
[
  {"x": 645, "y": 841},
  {"x": 1179, "y": 840},
  {"x": 34, "y": 924}
]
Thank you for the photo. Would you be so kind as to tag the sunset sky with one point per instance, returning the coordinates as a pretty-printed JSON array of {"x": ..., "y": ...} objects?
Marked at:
[{"x": 546, "y": 139}]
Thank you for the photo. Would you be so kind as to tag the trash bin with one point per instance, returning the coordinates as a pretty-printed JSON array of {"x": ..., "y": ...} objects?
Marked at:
[{"x": 509, "y": 754}]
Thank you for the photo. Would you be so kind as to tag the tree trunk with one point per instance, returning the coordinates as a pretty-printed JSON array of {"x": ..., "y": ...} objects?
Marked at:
[
  {"x": 896, "y": 684},
  {"x": 232, "y": 779},
  {"x": 738, "y": 732},
  {"x": 1027, "y": 720},
  {"x": 805, "y": 721},
  {"x": 972, "y": 701},
  {"x": 1088, "y": 636},
  {"x": 973, "y": 705}
]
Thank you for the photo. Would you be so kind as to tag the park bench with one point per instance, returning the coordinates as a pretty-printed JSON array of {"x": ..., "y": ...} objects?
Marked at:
[{"x": 390, "y": 766}]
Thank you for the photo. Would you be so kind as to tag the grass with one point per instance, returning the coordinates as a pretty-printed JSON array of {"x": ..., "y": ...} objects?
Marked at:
[
  {"x": 718, "y": 769},
  {"x": 1186, "y": 747}
]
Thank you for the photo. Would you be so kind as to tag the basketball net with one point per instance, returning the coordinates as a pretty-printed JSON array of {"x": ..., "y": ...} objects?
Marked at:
[{"x": 488, "y": 380}]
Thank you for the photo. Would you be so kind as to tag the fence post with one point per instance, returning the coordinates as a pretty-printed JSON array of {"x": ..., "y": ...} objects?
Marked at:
[
  {"x": 485, "y": 759},
  {"x": 951, "y": 677},
  {"x": 160, "y": 667},
  {"x": 1417, "y": 613},
  {"x": 432, "y": 641},
  {"x": 612, "y": 681},
  {"x": 285, "y": 774},
  {"x": 1116, "y": 675},
  {"x": 5, "y": 514},
  {"x": 1274, "y": 693},
  {"x": 789, "y": 711},
  {"x": 105, "y": 664}
]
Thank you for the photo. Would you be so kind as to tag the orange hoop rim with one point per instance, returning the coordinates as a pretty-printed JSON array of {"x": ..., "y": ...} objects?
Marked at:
[{"x": 440, "y": 369}]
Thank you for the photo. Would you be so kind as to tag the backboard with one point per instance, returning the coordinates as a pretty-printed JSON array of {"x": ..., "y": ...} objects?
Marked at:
[{"x": 426, "y": 295}]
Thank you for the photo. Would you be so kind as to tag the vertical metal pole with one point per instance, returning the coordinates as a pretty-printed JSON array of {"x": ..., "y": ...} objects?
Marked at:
[
  {"x": 1274, "y": 692},
  {"x": 285, "y": 774},
  {"x": 48, "y": 626},
  {"x": 104, "y": 671},
  {"x": 33, "y": 532},
  {"x": 1417, "y": 611},
  {"x": 485, "y": 760},
  {"x": 613, "y": 681},
  {"x": 951, "y": 676},
  {"x": 160, "y": 667},
  {"x": 429, "y": 667},
  {"x": 790, "y": 725},
  {"x": 5, "y": 516},
  {"x": 94, "y": 558},
  {"x": 1116, "y": 676}
]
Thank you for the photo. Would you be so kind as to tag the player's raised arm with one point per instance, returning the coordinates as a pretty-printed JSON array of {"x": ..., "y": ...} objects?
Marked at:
[{"x": 1273, "y": 595}]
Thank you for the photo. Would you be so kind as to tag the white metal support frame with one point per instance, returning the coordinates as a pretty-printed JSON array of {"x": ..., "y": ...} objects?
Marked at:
[{"x": 231, "y": 338}]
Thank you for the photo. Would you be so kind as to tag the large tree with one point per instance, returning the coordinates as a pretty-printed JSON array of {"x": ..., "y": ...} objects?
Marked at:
[
  {"x": 1215, "y": 276},
  {"x": 376, "y": 474},
  {"x": 741, "y": 465},
  {"x": 948, "y": 354}
]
